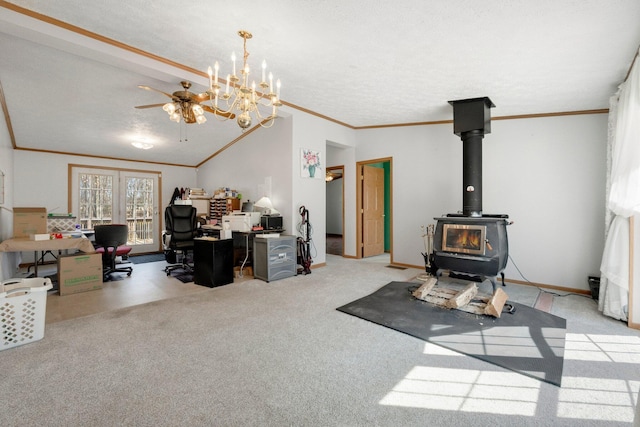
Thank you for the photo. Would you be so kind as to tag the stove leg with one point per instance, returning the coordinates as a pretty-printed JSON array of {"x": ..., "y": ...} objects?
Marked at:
[{"x": 494, "y": 283}]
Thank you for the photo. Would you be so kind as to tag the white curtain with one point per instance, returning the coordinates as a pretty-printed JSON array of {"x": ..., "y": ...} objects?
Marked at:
[{"x": 623, "y": 196}]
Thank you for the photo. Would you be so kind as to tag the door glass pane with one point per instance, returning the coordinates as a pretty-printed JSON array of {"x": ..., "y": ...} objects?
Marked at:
[
  {"x": 96, "y": 200},
  {"x": 140, "y": 209}
]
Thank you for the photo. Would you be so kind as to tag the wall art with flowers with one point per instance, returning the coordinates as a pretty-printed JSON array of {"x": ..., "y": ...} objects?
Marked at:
[{"x": 311, "y": 164}]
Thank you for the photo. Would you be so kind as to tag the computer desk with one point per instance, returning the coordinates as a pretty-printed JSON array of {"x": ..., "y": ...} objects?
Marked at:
[
  {"x": 24, "y": 244},
  {"x": 247, "y": 236}
]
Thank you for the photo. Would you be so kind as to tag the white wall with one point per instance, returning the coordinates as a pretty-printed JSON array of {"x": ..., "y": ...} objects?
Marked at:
[
  {"x": 313, "y": 133},
  {"x": 7, "y": 260},
  {"x": 547, "y": 174},
  {"x": 41, "y": 178},
  {"x": 248, "y": 166},
  {"x": 275, "y": 154}
]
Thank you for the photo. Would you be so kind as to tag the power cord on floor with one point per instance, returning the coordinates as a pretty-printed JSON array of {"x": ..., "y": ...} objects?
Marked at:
[{"x": 542, "y": 290}]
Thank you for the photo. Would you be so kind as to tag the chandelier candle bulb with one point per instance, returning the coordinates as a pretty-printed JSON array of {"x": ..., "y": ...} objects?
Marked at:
[
  {"x": 278, "y": 89},
  {"x": 209, "y": 72},
  {"x": 226, "y": 91},
  {"x": 233, "y": 59}
]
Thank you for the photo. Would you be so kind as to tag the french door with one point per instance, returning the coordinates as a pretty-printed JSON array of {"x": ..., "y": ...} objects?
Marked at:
[{"x": 118, "y": 196}]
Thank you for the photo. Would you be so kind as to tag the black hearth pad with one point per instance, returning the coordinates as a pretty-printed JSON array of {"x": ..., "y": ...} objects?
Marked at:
[{"x": 527, "y": 341}]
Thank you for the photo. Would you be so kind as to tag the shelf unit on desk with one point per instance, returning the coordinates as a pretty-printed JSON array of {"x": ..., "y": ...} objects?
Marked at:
[{"x": 224, "y": 206}]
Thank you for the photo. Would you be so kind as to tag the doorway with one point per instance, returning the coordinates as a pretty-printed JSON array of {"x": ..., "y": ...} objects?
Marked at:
[
  {"x": 118, "y": 196},
  {"x": 374, "y": 187},
  {"x": 335, "y": 210}
]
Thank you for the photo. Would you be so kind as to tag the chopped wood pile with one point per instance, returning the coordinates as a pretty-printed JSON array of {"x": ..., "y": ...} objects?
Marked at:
[{"x": 466, "y": 299}]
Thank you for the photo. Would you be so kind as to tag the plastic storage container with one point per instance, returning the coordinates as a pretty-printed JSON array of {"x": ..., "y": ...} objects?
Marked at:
[
  {"x": 274, "y": 257},
  {"x": 23, "y": 305}
]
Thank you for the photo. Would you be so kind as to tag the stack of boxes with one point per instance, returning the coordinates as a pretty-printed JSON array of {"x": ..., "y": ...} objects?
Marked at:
[{"x": 79, "y": 272}]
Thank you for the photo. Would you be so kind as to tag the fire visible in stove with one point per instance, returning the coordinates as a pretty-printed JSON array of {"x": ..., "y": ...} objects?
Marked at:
[{"x": 466, "y": 239}]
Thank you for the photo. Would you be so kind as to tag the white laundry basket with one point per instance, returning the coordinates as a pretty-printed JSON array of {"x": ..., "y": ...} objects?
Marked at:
[{"x": 23, "y": 305}]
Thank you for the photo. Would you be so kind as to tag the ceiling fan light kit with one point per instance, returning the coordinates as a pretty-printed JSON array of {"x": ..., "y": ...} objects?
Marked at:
[
  {"x": 185, "y": 107},
  {"x": 240, "y": 96}
]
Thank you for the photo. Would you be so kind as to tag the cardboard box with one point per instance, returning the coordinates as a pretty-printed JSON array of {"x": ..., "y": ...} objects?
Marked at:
[
  {"x": 80, "y": 272},
  {"x": 27, "y": 221}
]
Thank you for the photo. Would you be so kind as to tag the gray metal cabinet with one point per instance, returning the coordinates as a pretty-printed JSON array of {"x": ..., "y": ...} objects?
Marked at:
[{"x": 274, "y": 257}]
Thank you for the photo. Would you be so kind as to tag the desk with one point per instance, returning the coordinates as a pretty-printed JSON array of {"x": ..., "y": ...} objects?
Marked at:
[{"x": 24, "y": 244}]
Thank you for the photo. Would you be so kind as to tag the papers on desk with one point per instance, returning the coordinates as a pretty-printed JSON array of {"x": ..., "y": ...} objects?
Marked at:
[
  {"x": 210, "y": 227},
  {"x": 44, "y": 236},
  {"x": 269, "y": 235}
]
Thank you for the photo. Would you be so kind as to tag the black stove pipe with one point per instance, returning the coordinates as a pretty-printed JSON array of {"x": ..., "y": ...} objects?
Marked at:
[
  {"x": 472, "y": 173},
  {"x": 471, "y": 121}
]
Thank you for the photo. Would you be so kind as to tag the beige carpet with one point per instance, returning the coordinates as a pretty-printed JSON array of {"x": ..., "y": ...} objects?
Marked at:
[{"x": 279, "y": 353}]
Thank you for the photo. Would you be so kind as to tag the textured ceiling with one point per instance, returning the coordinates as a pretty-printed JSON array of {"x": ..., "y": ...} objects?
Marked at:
[{"x": 362, "y": 63}]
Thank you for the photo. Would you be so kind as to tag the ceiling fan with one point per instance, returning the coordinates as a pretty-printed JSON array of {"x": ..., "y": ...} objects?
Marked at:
[{"x": 186, "y": 105}]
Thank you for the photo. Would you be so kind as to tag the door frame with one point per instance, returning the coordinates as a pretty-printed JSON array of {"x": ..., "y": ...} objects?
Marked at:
[
  {"x": 359, "y": 211},
  {"x": 340, "y": 168},
  {"x": 72, "y": 166}
]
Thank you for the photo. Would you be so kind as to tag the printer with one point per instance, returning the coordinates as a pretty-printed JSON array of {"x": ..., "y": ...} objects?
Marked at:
[{"x": 240, "y": 221}]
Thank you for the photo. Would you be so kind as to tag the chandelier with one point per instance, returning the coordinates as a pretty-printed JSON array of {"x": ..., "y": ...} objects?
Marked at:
[{"x": 240, "y": 96}]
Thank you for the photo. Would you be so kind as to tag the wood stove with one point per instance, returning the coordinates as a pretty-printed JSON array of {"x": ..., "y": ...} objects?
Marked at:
[{"x": 472, "y": 243}]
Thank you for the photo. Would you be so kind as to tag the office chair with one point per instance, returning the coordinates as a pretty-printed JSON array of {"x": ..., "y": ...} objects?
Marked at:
[
  {"x": 110, "y": 241},
  {"x": 181, "y": 227}
]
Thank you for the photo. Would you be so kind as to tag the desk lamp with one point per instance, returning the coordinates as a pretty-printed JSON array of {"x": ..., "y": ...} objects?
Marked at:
[{"x": 266, "y": 206}]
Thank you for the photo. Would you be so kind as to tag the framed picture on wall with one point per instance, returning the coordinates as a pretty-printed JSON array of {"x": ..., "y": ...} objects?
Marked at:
[{"x": 310, "y": 165}]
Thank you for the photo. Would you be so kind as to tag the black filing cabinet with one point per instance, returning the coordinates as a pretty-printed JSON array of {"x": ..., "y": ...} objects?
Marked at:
[
  {"x": 274, "y": 257},
  {"x": 212, "y": 262}
]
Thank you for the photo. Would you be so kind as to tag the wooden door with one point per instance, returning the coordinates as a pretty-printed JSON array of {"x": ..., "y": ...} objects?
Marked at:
[{"x": 372, "y": 211}]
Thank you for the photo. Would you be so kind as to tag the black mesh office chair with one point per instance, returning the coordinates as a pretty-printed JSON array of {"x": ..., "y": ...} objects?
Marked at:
[
  {"x": 110, "y": 241},
  {"x": 181, "y": 227}
]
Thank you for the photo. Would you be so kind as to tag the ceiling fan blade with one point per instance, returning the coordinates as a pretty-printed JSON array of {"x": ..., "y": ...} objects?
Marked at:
[
  {"x": 218, "y": 112},
  {"x": 149, "y": 106},
  {"x": 201, "y": 97},
  {"x": 155, "y": 90}
]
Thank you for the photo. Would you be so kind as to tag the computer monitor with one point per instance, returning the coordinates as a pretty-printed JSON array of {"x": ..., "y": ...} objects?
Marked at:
[{"x": 247, "y": 206}]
